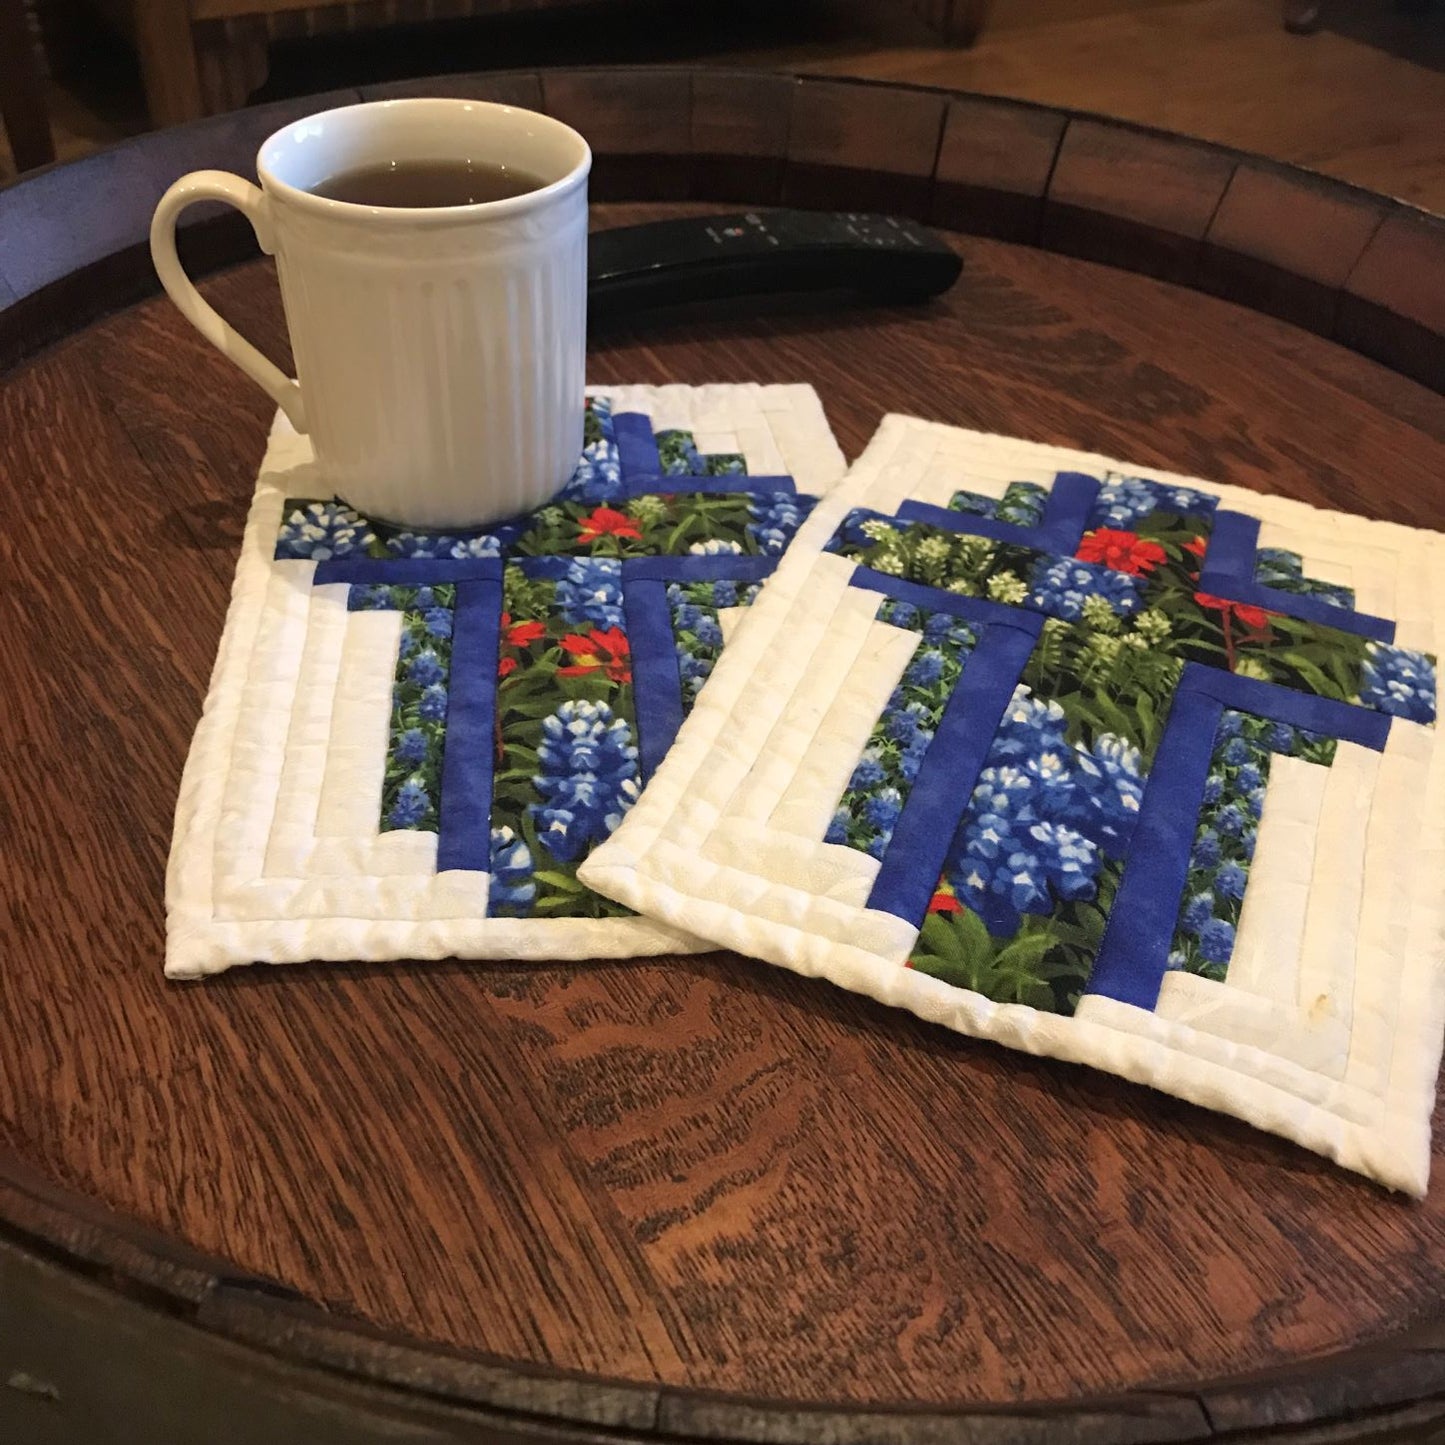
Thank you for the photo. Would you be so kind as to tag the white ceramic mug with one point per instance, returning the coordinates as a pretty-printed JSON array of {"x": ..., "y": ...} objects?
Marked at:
[{"x": 439, "y": 351}]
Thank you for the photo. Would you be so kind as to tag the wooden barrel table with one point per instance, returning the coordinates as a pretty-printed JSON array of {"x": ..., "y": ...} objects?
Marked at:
[{"x": 673, "y": 1199}]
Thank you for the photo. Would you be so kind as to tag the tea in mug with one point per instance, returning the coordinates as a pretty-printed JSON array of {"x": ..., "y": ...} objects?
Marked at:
[{"x": 428, "y": 183}]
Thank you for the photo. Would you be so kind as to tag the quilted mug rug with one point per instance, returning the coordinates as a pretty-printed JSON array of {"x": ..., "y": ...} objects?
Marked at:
[
  {"x": 1114, "y": 766},
  {"x": 412, "y": 740}
]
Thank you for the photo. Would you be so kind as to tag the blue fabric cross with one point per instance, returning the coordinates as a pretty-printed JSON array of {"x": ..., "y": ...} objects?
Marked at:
[{"x": 591, "y": 522}]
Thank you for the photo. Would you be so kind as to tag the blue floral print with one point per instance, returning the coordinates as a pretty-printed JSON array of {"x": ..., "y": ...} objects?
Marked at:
[
  {"x": 1123, "y": 501},
  {"x": 1283, "y": 570},
  {"x": 425, "y": 669},
  {"x": 1022, "y": 504},
  {"x": 882, "y": 778},
  {"x": 410, "y": 747},
  {"x": 454, "y": 547},
  {"x": 1398, "y": 681},
  {"x": 320, "y": 531},
  {"x": 513, "y": 886},
  {"x": 417, "y": 738},
  {"x": 1061, "y": 588},
  {"x": 696, "y": 632},
  {"x": 588, "y": 777},
  {"x": 1043, "y": 816},
  {"x": 1225, "y": 836},
  {"x": 776, "y": 516},
  {"x": 433, "y": 704},
  {"x": 589, "y": 592},
  {"x": 598, "y": 474},
  {"x": 412, "y": 807},
  {"x": 678, "y": 456}
]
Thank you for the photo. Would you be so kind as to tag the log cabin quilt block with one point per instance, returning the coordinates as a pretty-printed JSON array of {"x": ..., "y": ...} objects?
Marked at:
[
  {"x": 1116, "y": 766},
  {"x": 413, "y": 739}
]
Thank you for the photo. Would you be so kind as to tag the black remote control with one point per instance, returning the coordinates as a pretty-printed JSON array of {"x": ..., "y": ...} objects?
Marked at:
[{"x": 709, "y": 258}]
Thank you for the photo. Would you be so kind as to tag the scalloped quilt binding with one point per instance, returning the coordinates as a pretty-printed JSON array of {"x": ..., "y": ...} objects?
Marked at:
[
  {"x": 1146, "y": 812},
  {"x": 384, "y": 767}
]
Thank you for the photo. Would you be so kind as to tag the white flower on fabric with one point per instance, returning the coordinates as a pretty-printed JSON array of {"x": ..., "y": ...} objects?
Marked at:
[
  {"x": 715, "y": 547},
  {"x": 1097, "y": 613},
  {"x": 1153, "y": 625},
  {"x": 1007, "y": 587},
  {"x": 974, "y": 553},
  {"x": 1050, "y": 767}
]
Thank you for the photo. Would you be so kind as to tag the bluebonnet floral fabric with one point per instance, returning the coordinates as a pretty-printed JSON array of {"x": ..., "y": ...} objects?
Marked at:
[
  {"x": 1283, "y": 570},
  {"x": 697, "y": 610},
  {"x": 679, "y": 456},
  {"x": 419, "y": 705},
  {"x": 884, "y": 776},
  {"x": 567, "y": 764},
  {"x": 1130, "y": 744},
  {"x": 1022, "y": 503},
  {"x": 417, "y": 737},
  {"x": 1228, "y": 831}
]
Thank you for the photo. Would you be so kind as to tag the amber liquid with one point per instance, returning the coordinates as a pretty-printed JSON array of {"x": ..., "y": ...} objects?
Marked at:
[{"x": 428, "y": 183}]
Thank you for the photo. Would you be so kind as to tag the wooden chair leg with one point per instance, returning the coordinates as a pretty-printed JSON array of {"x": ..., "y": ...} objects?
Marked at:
[
  {"x": 169, "y": 71},
  {"x": 22, "y": 92},
  {"x": 66, "y": 31},
  {"x": 958, "y": 21},
  {"x": 233, "y": 61}
]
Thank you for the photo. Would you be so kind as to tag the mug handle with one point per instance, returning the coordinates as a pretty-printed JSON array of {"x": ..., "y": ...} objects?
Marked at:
[{"x": 254, "y": 205}]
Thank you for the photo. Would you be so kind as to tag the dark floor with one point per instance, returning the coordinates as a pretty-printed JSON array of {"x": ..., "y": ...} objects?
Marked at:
[{"x": 1364, "y": 99}]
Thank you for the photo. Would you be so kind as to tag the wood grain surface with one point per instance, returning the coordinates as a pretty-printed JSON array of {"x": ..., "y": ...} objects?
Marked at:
[
  {"x": 691, "y": 1172},
  {"x": 1351, "y": 265}
]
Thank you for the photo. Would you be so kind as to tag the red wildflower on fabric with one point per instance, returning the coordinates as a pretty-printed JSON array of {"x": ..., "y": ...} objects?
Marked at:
[
  {"x": 1121, "y": 551},
  {"x": 944, "y": 902},
  {"x": 607, "y": 522},
  {"x": 608, "y": 649},
  {"x": 1251, "y": 616},
  {"x": 516, "y": 634},
  {"x": 1198, "y": 546},
  {"x": 520, "y": 634}
]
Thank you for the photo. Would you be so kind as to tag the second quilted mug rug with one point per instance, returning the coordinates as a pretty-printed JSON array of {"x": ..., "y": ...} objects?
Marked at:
[{"x": 1121, "y": 768}]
